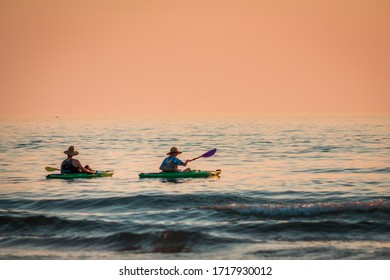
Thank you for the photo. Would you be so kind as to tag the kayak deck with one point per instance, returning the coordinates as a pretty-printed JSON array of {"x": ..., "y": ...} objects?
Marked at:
[
  {"x": 190, "y": 174},
  {"x": 98, "y": 174}
]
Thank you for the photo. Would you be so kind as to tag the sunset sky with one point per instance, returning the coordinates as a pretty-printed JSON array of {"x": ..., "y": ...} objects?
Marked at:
[{"x": 177, "y": 56}]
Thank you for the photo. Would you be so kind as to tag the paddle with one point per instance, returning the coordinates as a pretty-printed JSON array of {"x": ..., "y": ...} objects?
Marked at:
[
  {"x": 50, "y": 169},
  {"x": 208, "y": 154}
]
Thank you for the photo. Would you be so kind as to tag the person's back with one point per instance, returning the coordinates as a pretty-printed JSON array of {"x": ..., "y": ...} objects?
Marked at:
[
  {"x": 171, "y": 163},
  {"x": 71, "y": 165},
  {"x": 68, "y": 167}
]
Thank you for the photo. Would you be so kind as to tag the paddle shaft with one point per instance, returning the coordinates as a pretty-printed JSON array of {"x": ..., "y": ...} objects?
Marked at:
[
  {"x": 208, "y": 154},
  {"x": 195, "y": 158}
]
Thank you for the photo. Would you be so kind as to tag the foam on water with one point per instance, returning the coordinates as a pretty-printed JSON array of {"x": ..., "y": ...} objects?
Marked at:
[{"x": 303, "y": 209}]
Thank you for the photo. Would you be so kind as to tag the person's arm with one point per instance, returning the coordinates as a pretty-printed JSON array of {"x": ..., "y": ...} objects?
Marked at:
[
  {"x": 162, "y": 165},
  {"x": 79, "y": 166},
  {"x": 179, "y": 162},
  {"x": 62, "y": 166}
]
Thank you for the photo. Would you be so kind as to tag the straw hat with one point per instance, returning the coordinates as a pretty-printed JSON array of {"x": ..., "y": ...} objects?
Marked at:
[
  {"x": 71, "y": 151},
  {"x": 174, "y": 150}
]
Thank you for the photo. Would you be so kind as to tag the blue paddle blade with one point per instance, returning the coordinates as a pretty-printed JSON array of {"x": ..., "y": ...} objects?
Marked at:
[{"x": 209, "y": 153}]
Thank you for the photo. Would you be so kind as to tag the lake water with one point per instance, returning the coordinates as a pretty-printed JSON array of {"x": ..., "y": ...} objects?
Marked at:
[{"x": 292, "y": 187}]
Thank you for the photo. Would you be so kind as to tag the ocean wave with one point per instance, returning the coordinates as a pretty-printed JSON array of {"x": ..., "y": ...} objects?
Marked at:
[
  {"x": 140, "y": 201},
  {"x": 42, "y": 225},
  {"x": 302, "y": 209},
  {"x": 319, "y": 230},
  {"x": 167, "y": 241}
]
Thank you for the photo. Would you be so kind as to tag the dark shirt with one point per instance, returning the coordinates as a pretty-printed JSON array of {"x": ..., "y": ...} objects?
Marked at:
[{"x": 68, "y": 167}]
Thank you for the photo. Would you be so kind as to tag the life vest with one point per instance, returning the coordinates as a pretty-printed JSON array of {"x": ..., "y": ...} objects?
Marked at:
[{"x": 169, "y": 165}]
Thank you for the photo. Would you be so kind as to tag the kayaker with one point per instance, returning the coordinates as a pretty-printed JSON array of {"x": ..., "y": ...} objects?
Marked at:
[
  {"x": 171, "y": 163},
  {"x": 71, "y": 165}
]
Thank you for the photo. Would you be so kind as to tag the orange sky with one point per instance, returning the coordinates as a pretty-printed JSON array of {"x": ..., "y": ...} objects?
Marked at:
[{"x": 143, "y": 56}]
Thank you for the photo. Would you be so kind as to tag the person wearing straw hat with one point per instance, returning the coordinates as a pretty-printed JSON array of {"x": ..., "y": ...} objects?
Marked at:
[
  {"x": 71, "y": 165},
  {"x": 171, "y": 163}
]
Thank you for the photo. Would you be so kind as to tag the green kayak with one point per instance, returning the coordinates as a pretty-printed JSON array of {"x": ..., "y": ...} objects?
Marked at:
[
  {"x": 107, "y": 173},
  {"x": 191, "y": 174}
]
